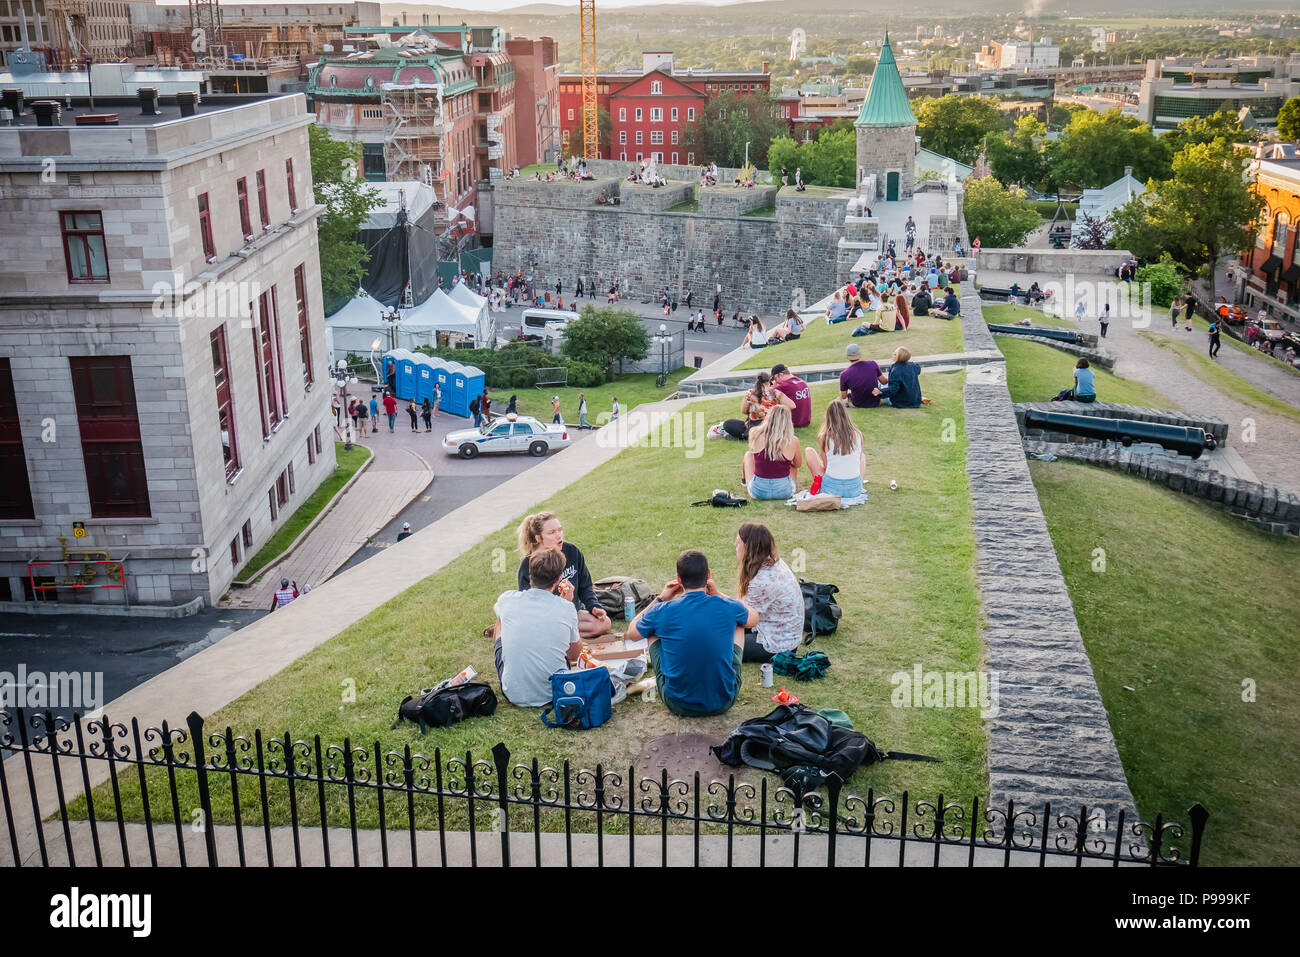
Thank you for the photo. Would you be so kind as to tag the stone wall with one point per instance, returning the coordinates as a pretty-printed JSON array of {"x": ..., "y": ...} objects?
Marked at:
[
  {"x": 637, "y": 197},
  {"x": 549, "y": 231},
  {"x": 735, "y": 202},
  {"x": 1054, "y": 262},
  {"x": 620, "y": 168},
  {"x": 888, "y": 149}
]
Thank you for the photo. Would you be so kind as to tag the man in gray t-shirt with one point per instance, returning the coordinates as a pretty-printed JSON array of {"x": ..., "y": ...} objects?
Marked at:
[{"x": 537, "y": 632}]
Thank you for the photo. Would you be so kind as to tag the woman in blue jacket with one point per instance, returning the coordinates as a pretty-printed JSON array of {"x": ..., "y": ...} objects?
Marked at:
[{"x": 902, "y": 384}]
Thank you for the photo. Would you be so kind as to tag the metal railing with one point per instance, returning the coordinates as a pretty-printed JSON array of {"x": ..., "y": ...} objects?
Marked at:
[{"x": 192, "y": 795}]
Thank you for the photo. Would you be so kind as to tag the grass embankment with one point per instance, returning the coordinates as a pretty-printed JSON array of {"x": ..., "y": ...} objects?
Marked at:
[
  {"x": 822, "y": 342},
  {"x": 1037, "y": 372},
  {"x": 1047, "y": 208},
  {"x": 904, "y": 563},
  {"x": 631, "y": 390},
  {"x": 1197, "y": 361},
  {"x": 1009, "y": 315},
  {"x": 348, "y": 463},
  {"x": 1193, "y": 649}
]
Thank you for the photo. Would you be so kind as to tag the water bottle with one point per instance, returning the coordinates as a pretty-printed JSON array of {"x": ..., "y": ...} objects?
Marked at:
[{"x": 629, "y": 607}]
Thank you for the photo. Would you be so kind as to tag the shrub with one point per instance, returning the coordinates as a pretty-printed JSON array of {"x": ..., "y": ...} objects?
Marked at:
[
  {"x": 1166, "y": 281},
  {"x": 515, "y": 366}
]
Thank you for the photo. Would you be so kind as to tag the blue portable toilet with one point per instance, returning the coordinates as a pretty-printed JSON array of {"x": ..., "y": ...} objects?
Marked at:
[
  {"x": 463, "y": 384},
  {"x": 424, "y": 371},
  {"x": 399, "y": 366}
]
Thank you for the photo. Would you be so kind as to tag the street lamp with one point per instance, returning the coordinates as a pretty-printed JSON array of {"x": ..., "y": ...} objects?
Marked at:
[{"x": 374, "y": 347}]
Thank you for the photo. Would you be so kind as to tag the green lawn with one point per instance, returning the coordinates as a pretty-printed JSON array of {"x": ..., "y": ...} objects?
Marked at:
[
  {"x": 1047, "y": 208},
  {"x": 1193, "y": 609},
  {"x": 348, "y": 463},
  {"x": 822, "y": 342},
  {"x": 1036, "y": 372},
  {"x": 1009, "y": 315},
  {"x": 1196, "y": 360},
  {"x": 631, "y": 390},
  {"x": 904, "y": 563}
]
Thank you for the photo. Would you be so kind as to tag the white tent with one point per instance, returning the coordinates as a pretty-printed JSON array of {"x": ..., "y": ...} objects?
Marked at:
[
  {"x": 466, "y": 296},
  {"x": 356, "y": 326}
]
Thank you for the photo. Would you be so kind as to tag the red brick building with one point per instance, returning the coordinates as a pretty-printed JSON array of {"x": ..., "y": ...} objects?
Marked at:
[
  {"x": 654, "y": 111},
  {"x": 1271, "y": 277},
  {"x": 537, "y": 99}
]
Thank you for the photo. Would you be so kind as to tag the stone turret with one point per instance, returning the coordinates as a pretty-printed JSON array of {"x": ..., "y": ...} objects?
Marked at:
[{"x": 886, "y": 130}]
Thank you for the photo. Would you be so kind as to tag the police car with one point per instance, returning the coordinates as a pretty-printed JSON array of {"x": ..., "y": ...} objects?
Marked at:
[{"x": 511, "y": 433}]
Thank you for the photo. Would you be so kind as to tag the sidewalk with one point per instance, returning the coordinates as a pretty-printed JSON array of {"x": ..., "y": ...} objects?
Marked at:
[{"x": 398, "y": 473}]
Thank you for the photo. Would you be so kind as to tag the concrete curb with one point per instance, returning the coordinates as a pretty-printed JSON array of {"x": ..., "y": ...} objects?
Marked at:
[{"x": 192, "y": 607}]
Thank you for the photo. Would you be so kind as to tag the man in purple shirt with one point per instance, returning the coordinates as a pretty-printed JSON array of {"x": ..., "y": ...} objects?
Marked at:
[
  {"x": 859, "y": 379},
  {"x": 791, "y": 385}
]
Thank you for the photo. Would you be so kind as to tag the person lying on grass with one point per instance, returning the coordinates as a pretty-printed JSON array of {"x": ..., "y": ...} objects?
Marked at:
[
  {"x": 696, "y": 639},
  {"x": 543, "y": 530},
  {"x": 536, "y": 631}
]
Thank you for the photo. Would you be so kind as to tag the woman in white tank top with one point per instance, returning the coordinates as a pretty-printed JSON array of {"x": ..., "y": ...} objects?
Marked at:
[{"x": 842, "y": 472}]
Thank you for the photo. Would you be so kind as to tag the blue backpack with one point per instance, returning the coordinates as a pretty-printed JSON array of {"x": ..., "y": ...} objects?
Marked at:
[{"x": 580, "y": 699}]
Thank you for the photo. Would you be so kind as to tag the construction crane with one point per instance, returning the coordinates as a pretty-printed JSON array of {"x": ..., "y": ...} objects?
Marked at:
[{"x": 590, "y": 130}]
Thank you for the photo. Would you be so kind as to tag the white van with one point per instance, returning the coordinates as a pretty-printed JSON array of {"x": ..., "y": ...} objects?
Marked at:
[{"x": 548, "y": 323}]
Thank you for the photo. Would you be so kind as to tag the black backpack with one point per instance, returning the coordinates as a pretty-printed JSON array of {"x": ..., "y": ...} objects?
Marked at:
[
  {"x": 475, "y": 405},
  {"x": 723, "y": 499},
  {"x": 821, "y": 613},
  {"x": 440, "y": 709}
]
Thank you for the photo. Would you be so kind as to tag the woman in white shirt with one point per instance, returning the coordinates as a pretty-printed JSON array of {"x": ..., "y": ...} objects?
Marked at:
[
  {"x": 769, "y": 587},
  {"x": 838, "y": 458},
  {"x": 756, "y": 337}
]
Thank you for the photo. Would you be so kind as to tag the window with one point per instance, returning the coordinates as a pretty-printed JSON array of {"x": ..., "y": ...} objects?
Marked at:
[
  {"x": 690, "y": 159},
  {"x": 205, "y": 229},
  {"x": 263, "y": 206},
  {"x": 1279, "y": 235},
  {"x": 279, "y": 351},
  {"x": 225, "y": 402},
  {"x": 640, "y": 156},
  {"x": 264, "y": 364},
  {"x": 16, "y": 490},
  {"x": 247, "y": 533},
  {"x": 104, "y": 390},
  {"x": 674, "y": 159},
  {"x": 690, "y": 114},
  {"x": 656, "y": 87},
  {"x": 622, "y": 114},
  {"x": 311, "y": 452},
  {"x": 656, "y": 137},
  {"x": 570, "y": 113},
  {"x": 234, "y": 552},
  {"x": 290, "y": 471},
  {"x": 304, "y": 326},
  {"x": 638, "y": 139},
  {"x": 658, "y": 157},
  {"x": 656, "y": 114},
  {"x": 675, "y": 135},
  {"x": 623, "y": 155},
  {"x": 282, "y": 489},
  {"x": 83, "y": 246},
  {"x": 245, "y": 217},
  {"x": 622, "y": 137},
  {"x": 293, "y": 189},
  {"x": 270, "y": 500},
  {"x": 371, "y": 113},
  {"x": 674, "y": 114},
  {"x": 638, "y": 114}
]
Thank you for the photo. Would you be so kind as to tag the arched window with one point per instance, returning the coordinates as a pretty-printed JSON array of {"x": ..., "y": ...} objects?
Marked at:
[{"x": 1280, "y": 223}]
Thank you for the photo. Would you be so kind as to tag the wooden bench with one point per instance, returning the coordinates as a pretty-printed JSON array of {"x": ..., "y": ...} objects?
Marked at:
[{"x": 96, "y": 119}]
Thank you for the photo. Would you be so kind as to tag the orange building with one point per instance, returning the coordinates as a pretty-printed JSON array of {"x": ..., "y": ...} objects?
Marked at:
[{"x": 1271, "y": 277}]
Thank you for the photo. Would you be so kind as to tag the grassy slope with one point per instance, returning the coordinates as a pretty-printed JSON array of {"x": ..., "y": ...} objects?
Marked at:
[
  {"x": 1192, "y": 603},
  {"x": 1036, "y": 372},
  {"x": 631, "y": 390},
  {"x": 904, "y": 563},
  {"x": 348, "y": 463},
  {"x": 822, "y": 342},
  {"x": 1197, "y": 361},
  {"x": 1009, "y": 315}
]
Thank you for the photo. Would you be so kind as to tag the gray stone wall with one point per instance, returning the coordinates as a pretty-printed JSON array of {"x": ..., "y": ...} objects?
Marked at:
[
  {"x": 619, "y": 168},
  {"x": 888, "y": 149},
  {"x": 760, "y": 262}
]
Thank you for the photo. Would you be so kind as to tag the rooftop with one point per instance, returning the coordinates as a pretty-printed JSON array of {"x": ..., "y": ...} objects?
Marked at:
[{"x": 886, "y": 103}]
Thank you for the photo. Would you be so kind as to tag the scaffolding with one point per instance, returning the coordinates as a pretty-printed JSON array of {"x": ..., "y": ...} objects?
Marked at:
[
  {"x": 205, "y": 26},
  {"x": 590, "y": 127}
]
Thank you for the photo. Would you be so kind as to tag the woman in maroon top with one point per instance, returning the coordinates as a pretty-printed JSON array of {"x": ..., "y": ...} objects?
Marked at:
[{"x": 774, "y": 457}]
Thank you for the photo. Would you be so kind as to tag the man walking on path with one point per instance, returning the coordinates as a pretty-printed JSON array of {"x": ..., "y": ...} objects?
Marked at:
[
  {"x": 374, "y": 415},
  {"x": 556, "y": 418},
  {"x": 582, "y": 411},
  {"x": 405, "y": 533},
  {"x": 283, "y": 595},
  {"x": 390, "y": 409},
  {"x": 1214, "y": 338},
  {"x": 1104, "y": 319}
]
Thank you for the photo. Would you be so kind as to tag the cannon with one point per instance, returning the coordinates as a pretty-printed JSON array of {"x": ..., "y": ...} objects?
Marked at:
[
  {"x": 1183, "y": 439},
  {"x": 1046, "y": 332}
]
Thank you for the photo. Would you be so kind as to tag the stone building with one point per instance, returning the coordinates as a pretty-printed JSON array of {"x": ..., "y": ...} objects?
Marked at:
[
  {"x": 164, "y": 398},
  {"x": 886, "y": 130}
]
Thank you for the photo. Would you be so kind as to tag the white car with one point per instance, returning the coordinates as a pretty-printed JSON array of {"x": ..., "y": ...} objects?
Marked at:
[
  {"x": 1270, "y": 328},
  {"x": 515, "y": 434}
]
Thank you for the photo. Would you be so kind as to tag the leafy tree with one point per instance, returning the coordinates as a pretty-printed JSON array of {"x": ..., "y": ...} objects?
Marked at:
[
  {"x": 1059, "y": 116},
  {"x": 861, "y": 65},
  {"x": 1018, "y": 157},
  {"x": 1206, "y": 129},
  {"x": 1288, "y": 119},
  {"x": 347, "y": 202},
  {"x": 1094, "y": 149},
  {"x": 727, "y": 122},
  {"x": 1165, "y": 279},
  {"x": 829, "y": 160},
  {"x": 603, "y": 337},
  {"x": 1094, "y": 233},
  {"x": 1134, "y": 229},
  {"x": 998, "y": 216},
  {"x": 604, "y": 133},
  {"x": 956, "y": 125}
]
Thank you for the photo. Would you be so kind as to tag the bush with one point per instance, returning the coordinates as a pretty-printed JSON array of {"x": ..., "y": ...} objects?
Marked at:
[
  {"x": 1166, "y": 281},
  {"x": 515, "y": 366},
  {"x": 997, "y": 216},
  {"x": 605, "y": 336}
]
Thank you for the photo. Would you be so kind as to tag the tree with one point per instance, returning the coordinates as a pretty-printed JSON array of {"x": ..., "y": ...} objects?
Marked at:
[
  {"x": 347, "y": 202},
  {"x": 1164, "y": 278},
  {"x": 1206, "y": 129},
  {"x": 1059, "y": 116},
  {"x": 997, "y": 216},
  {"x": 604, "y": 133},
  {"x": 1096, "y": 147},
  {"x": 604, "y": 337},
  {"x": 1094, "y": 233},
  {"x": 1018, "y": 157},
  {"x": 1288, "y": 119},
  {"x": 860, "y": 65},
  {"x": 727, "y": 122},
  {"x": 829, "y": 160},
  {"x": 956, "y": 125}
]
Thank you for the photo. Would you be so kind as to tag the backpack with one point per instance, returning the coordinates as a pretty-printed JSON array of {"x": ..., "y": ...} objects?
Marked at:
[
  {"x": 581, "y": 698},
  {"x": 612, "y": 592},
  {"x": 448, "y": 706},
  {"x": 475, "y": 405},
  {"x": 722, "y": 499},
  {"x": 821, "y": 613}
]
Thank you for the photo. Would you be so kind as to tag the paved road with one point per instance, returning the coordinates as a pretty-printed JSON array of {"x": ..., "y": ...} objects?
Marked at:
[{"x": 127, "y": 651}]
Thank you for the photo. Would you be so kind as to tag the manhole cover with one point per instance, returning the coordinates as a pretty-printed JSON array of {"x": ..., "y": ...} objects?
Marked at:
[{"x": 681, "y": 755}]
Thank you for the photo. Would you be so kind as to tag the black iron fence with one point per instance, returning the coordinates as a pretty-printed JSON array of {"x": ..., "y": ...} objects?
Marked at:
[{"x": 104, "y": 793}]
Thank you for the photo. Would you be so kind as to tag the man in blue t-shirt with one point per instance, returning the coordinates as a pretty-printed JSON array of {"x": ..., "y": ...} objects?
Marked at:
[{"x": 697, "y": 638}]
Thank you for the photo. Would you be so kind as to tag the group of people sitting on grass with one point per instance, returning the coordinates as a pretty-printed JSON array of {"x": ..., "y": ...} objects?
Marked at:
[
  {"x": 791, "y": 327},
  {"x": 780, "y": 402},
  {"x": 697, "y": 636},
  {"x": 866, "y": 300}
]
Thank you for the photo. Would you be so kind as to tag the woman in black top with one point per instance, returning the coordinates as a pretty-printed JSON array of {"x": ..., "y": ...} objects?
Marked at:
[
  {"x": 543, "y": 530},
  {"x": 426, "y": 413},
  {"x": 410, "y": 410}
]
